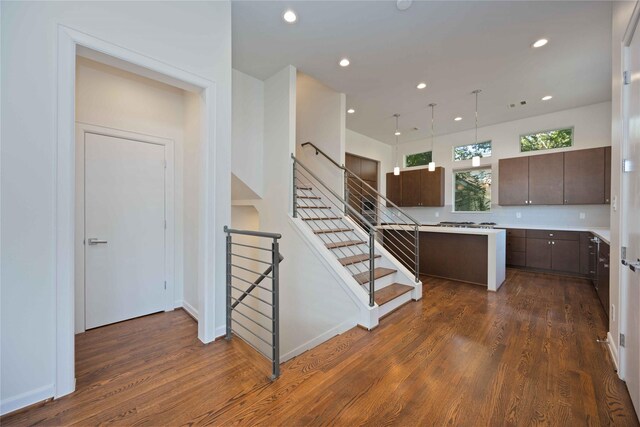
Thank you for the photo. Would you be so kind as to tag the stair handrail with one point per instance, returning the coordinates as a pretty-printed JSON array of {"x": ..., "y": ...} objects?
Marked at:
[
  {"x": 274, "y": 270},
  {"x": 344, "y": 168}
]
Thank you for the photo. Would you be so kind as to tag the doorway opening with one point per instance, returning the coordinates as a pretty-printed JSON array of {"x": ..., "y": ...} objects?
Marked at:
[{"x": 126, "y": 140}]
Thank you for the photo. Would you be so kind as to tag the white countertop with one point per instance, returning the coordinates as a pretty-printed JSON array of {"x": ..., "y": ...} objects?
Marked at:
[
  {"x": 602, "y": 232},
  {"x": 450, "y": 230}
]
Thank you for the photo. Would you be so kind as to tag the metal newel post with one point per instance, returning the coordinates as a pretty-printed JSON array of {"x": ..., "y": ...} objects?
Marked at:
[
  {"x": 417, "y": 239},
  {"x": 275, "y": 314},
  {"x": 295, "y": 191},
  {"x": 228, "y": 337},
  {"x": 346, "y": 191},
  {"x": 372, "y": 276}
]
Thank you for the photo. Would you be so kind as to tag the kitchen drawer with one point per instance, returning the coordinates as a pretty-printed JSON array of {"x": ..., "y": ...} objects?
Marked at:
[
  {"x": 516, "y": 232},
  {"x": 516, "y": 244},
  {"x": 518, "y": 259},
  {"x": 553, "y": 234}
]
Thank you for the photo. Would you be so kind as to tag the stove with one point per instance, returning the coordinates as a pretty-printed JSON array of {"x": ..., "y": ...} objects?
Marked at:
[{"x": 466, "y": 224}]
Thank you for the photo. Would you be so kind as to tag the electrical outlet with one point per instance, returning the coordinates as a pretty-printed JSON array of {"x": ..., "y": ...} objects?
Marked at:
[
  {"x": 583, "y": 215},
  {"x": 518, "y": 214},
  {"x": 613, "y": 312},
  {"x": 437, "y": 214}
]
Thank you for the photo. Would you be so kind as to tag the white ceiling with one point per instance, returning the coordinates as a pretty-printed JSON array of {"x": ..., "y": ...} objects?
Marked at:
[{"x": 455, "y": 47}]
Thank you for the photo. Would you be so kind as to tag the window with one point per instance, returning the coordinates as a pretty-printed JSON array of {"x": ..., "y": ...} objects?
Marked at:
[
  {"x": 557, "y": 138},
  {"x": 472, "y": 190},
  {"x": 417, "y": 159},
  {"x": 466, "y": 152}
]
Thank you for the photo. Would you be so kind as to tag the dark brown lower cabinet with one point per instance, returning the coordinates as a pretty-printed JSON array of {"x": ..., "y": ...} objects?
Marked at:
[
  {"x": 558, "y": 251},
  {"x": 539, "y": 253},
  {"x": 602, "y": 283}
]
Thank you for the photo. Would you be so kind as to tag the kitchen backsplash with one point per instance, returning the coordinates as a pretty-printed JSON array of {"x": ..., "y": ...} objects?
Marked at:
[{"x": 568, "y": 216}]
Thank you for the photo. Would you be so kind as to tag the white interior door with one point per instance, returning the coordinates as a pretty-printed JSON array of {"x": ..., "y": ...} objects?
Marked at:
[
  {"x": 125, "y": 215},
  {"x": 631, "y": 227}
]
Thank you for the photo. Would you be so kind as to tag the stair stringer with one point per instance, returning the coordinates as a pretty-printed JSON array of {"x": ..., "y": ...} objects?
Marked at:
[
  {"x": 367, "y": 316},
  {"x": 403, "y": 275}
]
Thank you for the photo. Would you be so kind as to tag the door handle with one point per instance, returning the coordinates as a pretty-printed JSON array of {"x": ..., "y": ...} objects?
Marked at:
[
  {"x": 94, "y": 241},
  {"x": 634, "y": 266}
]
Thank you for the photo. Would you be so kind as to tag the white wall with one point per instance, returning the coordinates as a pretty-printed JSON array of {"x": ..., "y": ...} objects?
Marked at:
[
  {"x": 592, "y": 128},
  {"x": 193, "y": 36},
  {"x": 364, "y": 146},
  {"x": 622, "y": 11},
  {"x": 192, "y": 155},
  {"x": 247, "y": 134},
  {"x": 113, "y": 98},
  {"x": 320, "y": 119}
]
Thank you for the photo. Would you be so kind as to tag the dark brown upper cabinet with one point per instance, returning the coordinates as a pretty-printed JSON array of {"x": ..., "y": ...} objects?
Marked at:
[
  {"x": 394, "y": 189},
  {"x": 566, "y": 178},
  {"x": 546, "y": 179},
  {"x": 584, "y": 177},
  {"x": 416, "y": 188},
  {"x": 513, "y": 188}
]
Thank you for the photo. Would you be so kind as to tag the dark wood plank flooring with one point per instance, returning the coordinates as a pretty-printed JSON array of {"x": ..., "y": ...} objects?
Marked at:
[{"x": 460, "y": 356}]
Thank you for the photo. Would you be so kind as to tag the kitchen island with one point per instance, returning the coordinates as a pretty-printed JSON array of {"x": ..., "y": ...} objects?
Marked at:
[{"x": 473, "y": 255}]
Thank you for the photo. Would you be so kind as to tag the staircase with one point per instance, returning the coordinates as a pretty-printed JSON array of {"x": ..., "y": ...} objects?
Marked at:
[{"x": 357, "y": 244}]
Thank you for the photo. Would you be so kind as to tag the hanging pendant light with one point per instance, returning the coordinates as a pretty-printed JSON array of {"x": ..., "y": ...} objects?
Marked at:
[
  {"x": 475, "y": 160},
  {"x": 396, "y": 169},
  {"x": 432, "y": 164}
]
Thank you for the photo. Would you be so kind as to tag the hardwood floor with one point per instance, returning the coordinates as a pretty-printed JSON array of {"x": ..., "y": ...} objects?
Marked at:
[{"x": 461, "y": 356}]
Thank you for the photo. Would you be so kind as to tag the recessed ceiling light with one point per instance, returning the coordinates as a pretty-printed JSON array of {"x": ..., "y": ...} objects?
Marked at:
[
  {"x": 421, "y": 85},
  {"x": 344, "y": 62},
  {"x": 540, "y": 43},
  {"x": 546, "y": 98},
  {"x": 457, "y": 119},
  {"x": 398, "y": 133},
  {"x": 290, "y": 16},
  {"x": 351, "y": 111}
]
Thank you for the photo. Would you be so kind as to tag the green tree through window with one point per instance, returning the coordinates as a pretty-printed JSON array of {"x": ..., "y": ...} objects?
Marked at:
[
  {"x": 418, "y": 159},
  {"x": 465, "y": 152},
  {"x": 558, "y": 138},
  {"x": 472, "y": 190}
]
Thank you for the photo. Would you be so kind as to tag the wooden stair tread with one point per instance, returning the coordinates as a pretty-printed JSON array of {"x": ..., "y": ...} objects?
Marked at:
[
  {"x": 303, "y": 188},
  {"x": 344, "y": 244},
  {"x": 314, "y": 207},
  {"x": 391, "y": 292},
  {"x": 332, "y": 230},
  {"x": 378, "y": 272},
  {"x": 354, "y": 259},
  {"x": 309, "y": 197},
  {"x": 327, "y": 218}
]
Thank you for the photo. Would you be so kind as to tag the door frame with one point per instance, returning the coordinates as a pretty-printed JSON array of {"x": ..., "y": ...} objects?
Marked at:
[
  {"x": 632, "y": 27},
  {"x": 169, "y": 208},
  {"x": 214, "y": 187}
]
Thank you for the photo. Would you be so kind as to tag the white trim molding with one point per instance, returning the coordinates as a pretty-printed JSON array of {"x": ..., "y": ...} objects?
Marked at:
[
  {"x": 69, "y": 41},
  {"x": 25, "y": 399}
]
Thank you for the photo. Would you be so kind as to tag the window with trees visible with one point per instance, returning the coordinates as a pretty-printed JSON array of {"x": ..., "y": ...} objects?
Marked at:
[
  {"x": 546, "y": 140},
  {"x": 466, "y": 152},
  {"x": 472, "y": 190},
  {"x": 418, "y": 159}
]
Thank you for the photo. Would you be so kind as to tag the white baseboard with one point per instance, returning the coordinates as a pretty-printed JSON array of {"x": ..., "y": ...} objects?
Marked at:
[
  {"x": 220, "y": 331},
  {"x": 613, "y": 351},
  {"x": 337, "y": 330},
  {"x": 190, "y": 309},
  {"x": 25, "y": 399}
]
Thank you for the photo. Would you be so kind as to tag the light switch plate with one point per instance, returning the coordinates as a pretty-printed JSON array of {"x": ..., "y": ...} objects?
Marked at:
[
  {"x": 518, "y": 214},
  {"x": 437, "y": 214},
  {"x": 583, "y": 215}
]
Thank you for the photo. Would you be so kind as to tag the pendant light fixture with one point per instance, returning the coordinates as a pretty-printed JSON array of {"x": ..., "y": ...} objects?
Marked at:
[
  {"x": 396, "y": 169},
  {"x": 432, "y": 164},
  {"x": 475, "y": 160}
]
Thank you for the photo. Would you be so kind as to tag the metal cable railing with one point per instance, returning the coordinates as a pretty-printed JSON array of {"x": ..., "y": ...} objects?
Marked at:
[
  {"x": 262, "y": 333},
  {"x": 396, "y": 230},
  {"x": 339, "y": 240}
]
